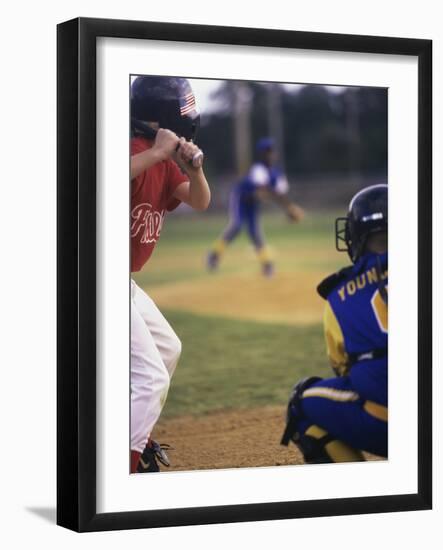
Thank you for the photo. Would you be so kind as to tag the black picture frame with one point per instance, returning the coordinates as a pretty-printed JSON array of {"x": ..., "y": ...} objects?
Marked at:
[{"x": 76, "y": 279}]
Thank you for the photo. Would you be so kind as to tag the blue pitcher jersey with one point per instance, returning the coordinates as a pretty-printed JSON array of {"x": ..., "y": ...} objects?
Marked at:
[
  {"x": 262, "y": 176},
  {"x": 356, "y": 323}
]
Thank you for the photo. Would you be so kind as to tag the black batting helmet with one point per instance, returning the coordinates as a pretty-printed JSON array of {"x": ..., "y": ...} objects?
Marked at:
[
  {"x": 368, "y": 213},
  {"x": 166, "y": 100}
]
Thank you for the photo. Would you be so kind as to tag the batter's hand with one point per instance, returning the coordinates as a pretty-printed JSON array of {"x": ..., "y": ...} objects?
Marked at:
[
  {"x": 185, "y": 154},
  {"x": 295, "y": 213},
  {"x": 165, "y": 143}
]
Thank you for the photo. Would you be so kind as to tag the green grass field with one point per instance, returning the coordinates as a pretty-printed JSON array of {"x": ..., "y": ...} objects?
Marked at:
[{"x": 246, "y": 340}]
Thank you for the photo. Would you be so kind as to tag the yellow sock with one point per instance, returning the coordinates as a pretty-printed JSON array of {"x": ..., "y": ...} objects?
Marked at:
[
  {"x": 219, "y": 246},
  {"x": 336, "y": 449},
  {"x": 264, "y": 255}
]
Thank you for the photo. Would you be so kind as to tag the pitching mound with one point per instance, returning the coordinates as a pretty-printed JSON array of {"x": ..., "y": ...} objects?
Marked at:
[{"x": 286, "y": 298}]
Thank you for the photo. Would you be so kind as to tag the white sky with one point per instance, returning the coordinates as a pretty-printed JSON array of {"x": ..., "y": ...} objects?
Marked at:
[{"x": 203, "y": 89}]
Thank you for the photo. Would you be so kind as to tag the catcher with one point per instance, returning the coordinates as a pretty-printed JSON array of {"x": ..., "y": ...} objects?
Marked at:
[
  {"x": 333, "y": 420},
  {"x": 263, "y": 181},
  {"x": 164, "y": 173}
]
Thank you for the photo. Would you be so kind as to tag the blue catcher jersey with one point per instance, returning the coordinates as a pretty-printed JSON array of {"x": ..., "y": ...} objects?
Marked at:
[
  {"x": 356, "y": 324},
  {"x": 262, "y": 176}
]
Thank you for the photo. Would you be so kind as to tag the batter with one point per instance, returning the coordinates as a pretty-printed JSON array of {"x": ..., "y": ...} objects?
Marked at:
[{"x": 162, "y": 176}]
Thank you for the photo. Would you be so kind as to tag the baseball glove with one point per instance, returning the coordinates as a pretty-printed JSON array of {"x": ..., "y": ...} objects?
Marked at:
[{"x": 295, "y": 213}]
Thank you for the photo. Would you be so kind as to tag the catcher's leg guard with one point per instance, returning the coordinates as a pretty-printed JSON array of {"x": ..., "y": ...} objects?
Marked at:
[
  {"x": 316, "y": 444},
  {"x": 294, "y": 413}
]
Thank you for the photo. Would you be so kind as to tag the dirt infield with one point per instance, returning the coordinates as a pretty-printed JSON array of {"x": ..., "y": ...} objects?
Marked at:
[
  {"x": 288, "y": 298},
  {"x": 232, "y": 439},
  {"x": 228, "y": 439}
]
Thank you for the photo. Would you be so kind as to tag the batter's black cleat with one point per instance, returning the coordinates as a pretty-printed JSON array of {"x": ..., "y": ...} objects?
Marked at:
[{"x": 148, "y": 460}]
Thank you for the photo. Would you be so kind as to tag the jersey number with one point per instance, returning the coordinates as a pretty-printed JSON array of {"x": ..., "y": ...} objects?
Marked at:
[{"x": 380, "y": 310}]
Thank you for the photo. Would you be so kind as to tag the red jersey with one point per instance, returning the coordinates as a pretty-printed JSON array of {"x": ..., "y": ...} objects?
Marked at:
[{"x": 152, "y": 195}]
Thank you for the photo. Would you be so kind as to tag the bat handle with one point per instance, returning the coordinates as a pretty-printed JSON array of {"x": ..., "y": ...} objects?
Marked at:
[{"x": 197, "y": 159}]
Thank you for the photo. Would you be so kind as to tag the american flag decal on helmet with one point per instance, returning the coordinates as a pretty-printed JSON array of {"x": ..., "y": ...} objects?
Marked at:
[{"x": 187, "y": 104}]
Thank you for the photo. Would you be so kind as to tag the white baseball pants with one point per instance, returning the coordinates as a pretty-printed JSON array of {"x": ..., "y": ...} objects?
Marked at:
[{"x": 155, "y": 350}]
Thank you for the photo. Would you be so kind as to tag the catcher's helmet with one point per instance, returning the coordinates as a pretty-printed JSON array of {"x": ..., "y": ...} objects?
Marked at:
[
  {"x": 368, "y": 213},
  {"x": 167, "y": 100}
]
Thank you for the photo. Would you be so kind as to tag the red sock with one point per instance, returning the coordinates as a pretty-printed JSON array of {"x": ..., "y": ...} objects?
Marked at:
[{"x": 135, "y": 457}]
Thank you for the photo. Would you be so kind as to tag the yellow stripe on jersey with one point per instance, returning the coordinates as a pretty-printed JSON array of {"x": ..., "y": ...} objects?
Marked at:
[
  {"x": 335, "y": 343},
  {"x": 331, "y": 393},
  {"x": 316, "y": 432},
  {"x": 380, "y": 310},
  {"x": 377, "y": 410}
]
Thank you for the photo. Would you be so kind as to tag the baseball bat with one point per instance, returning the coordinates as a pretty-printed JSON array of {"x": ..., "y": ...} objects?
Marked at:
[{"x": 150, "y": 133}]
